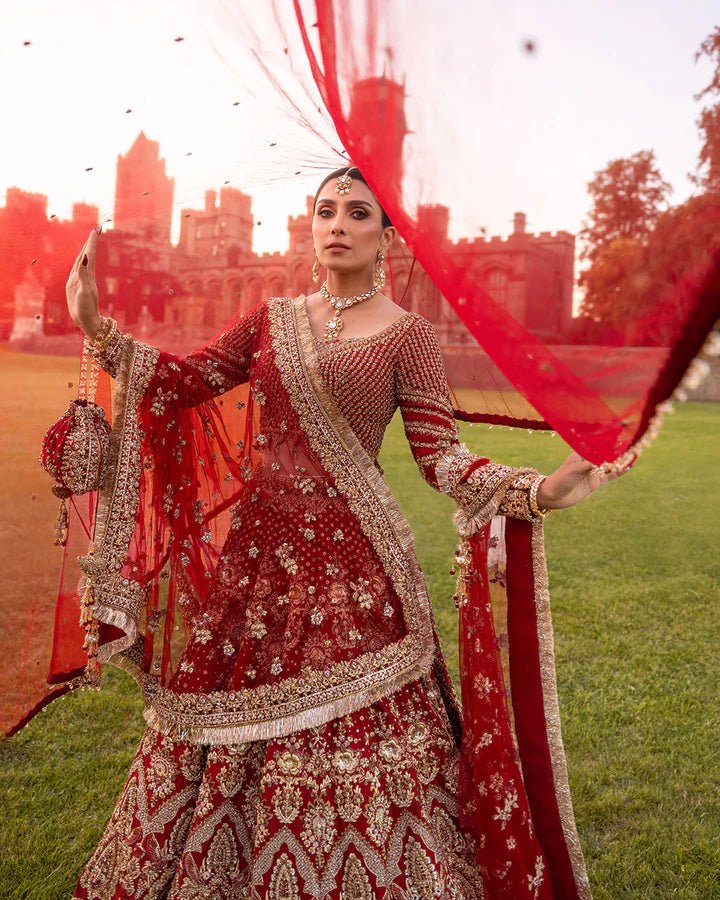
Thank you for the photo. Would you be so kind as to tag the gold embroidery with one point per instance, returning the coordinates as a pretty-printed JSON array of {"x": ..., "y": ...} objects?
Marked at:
[
  {"x": 355, "y": 883},
  {"x": 552, "y": 710},
  {"x": 283, "y": 882}
]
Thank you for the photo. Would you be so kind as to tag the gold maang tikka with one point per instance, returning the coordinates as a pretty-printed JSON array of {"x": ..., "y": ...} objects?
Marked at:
[{"x": 343, "y": 184}]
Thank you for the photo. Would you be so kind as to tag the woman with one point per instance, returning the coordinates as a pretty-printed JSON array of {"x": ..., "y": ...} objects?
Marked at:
[{"x": 304, "y": 740}]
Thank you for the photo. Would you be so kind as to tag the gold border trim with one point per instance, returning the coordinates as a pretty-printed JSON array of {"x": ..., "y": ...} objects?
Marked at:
[
  {"x": 551, "y": 705},
  {"x": 118, "y": 601},
  {"x": 355, "y": 473},
  {"x": 262, "y": 712}
]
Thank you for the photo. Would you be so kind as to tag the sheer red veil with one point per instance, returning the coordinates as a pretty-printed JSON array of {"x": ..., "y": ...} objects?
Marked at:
[{"x": 408, "y": 94}]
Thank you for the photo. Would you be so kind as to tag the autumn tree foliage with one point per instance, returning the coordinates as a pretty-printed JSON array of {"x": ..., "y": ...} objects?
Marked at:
[
  {"x": 628, "y": 197},
  {"x": 707, "y": 175},
  {"x": 643, "y": 256}
]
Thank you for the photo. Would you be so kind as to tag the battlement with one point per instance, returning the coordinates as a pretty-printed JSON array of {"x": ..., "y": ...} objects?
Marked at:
[{"x": 506, "y": 241}]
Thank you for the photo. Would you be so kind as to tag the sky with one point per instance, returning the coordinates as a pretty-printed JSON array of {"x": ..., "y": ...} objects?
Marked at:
[{"x": 605, "y": 80}]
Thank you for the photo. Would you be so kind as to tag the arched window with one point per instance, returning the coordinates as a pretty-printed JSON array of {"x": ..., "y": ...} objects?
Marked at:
[
  {"x": 208, "y": 318},
  {"x": 301, "y": 280},
  {"x": 276, "y": 287},
  {"x": 252, "y": 294},
  {"x": 496, "y": 284},
  {"x": 212, "y": 302},
  {"x": 233, "y": 295}
]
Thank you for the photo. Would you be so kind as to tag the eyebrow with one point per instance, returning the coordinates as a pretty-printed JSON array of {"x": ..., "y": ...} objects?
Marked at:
[{"x": 353, "y": 202}]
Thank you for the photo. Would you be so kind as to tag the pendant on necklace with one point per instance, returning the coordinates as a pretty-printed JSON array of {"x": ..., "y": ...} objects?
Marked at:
[{"x": 333, "y": 327}]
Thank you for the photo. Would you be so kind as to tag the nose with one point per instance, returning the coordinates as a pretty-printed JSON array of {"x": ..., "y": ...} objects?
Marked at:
[{"x": 337, "y": 228}]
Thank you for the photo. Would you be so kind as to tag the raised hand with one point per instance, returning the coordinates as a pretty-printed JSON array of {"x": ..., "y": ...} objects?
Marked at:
[
  {"x": 574, "y": 479},
  {"x": 81, "y": 288}
]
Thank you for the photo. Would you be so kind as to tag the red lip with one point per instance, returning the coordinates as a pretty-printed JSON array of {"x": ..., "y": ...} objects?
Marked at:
[{"x": 341, "y": 246}]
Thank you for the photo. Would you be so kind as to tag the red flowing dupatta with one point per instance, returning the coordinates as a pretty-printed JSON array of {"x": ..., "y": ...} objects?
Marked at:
[
  {"x": 390, "y": 104},
  {"x": 349, "y": 47}
]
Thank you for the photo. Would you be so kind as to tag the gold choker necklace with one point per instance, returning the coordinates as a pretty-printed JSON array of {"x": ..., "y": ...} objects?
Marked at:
[{"x": 334, "y": 326}]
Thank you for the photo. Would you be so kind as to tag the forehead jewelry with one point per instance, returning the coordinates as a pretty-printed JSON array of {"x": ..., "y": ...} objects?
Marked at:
[{"x": 343, "y": 184}]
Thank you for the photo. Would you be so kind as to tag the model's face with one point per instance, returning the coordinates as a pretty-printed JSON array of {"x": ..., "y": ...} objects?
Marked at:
[{"x": 347, "y": 228}]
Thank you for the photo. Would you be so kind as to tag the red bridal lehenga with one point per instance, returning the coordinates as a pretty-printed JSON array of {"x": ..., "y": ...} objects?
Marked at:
[{"x": 305, "y": 740}]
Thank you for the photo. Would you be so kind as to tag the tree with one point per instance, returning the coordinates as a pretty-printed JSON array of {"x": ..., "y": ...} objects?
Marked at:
[
  {"x": 628, "y": 197},
  {"x": 707, "y": 175}
]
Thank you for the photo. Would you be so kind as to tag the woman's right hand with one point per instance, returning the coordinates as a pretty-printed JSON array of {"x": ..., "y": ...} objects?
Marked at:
[{"x": 81, "y": 288}]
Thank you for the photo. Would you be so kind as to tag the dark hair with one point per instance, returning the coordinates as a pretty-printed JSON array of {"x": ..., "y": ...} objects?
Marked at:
[{"x": 357, "y": 175}]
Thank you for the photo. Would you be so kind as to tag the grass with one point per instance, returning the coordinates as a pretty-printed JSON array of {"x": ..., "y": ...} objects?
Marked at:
[{"x": 634, "y": 575}]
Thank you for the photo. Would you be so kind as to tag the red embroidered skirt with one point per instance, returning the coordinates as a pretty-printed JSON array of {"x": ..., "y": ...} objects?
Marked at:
[{"x": 361, "y": 807}]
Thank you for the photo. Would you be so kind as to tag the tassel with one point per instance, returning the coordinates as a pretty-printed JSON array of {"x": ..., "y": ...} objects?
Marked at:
[
  {"x": 92, "y": 627},
  {"x": 62, "y": 523}
]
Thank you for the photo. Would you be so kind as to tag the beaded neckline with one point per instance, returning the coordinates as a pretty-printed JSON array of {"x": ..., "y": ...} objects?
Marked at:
[{"x": 360, "y": 339}]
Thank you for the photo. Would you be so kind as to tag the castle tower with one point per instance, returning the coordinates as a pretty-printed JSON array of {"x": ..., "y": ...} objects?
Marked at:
[
  {"x": 221, "y": 233},
  {"x": 377, "y": 114},
  {"x": 144, "y": 193}
]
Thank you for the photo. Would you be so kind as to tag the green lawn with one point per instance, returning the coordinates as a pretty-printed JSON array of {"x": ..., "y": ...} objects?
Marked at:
[{"x": 634, "y": 575}]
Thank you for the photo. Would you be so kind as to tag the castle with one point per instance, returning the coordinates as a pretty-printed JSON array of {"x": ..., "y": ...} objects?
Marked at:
[{"x": 186, "y": 293}]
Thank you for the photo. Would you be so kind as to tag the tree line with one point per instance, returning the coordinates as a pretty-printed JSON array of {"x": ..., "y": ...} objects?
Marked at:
[{"x": 644, "y": 255}]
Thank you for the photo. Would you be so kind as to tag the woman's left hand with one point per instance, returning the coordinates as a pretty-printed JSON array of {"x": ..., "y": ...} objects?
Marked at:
[{"x": 574, "y": 479}]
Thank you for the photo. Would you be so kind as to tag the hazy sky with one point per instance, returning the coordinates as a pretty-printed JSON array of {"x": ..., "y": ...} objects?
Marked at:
[{"x": 605, "y": 81}]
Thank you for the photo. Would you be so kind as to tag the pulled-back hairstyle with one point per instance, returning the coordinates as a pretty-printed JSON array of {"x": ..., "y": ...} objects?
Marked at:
[{"x": 355, "y": 174}]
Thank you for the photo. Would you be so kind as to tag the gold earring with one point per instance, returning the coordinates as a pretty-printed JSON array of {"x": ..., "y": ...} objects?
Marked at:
[
  {"x": 316, "y": 270},
  {"x": 379, "y": 277}
]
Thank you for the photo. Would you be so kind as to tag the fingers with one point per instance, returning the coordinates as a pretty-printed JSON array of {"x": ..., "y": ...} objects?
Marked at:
[
  {"x": 92, "y": 243},
  {"x": 85, "y": 263},
  {"x": 90, "y": 247},
  {"x": 576, "y": 464}
]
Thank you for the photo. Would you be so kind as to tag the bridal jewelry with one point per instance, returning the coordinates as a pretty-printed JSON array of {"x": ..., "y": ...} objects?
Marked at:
[
  {"x": 343, "y": 184},
  {"x": 334, "y": 326},
  {"x": 379, "y": 279}
]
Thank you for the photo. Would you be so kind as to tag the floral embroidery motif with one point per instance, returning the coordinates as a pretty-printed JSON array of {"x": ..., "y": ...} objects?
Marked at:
[{"x": 271, "y": 819}]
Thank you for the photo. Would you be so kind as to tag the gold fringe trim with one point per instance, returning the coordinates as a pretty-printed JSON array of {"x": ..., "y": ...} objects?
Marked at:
[
  {"x": 467, "y": 522},
  {"x": 696, "y": 372},
  {"x": 552, "y": 711},
  {"x": 442, "y": 468},
  {"x": 115, "y": 520},
  {"x": 120, "y": 619},
  {"x": 280, "y": 726}
]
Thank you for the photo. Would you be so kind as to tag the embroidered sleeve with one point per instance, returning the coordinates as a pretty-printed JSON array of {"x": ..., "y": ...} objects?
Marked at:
[
  {"x": 222, "y": 364},
  {"x": 225, "y": 361},
  {"x": 109, "y": 346},
  {"x": 480, "y": 487}
]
